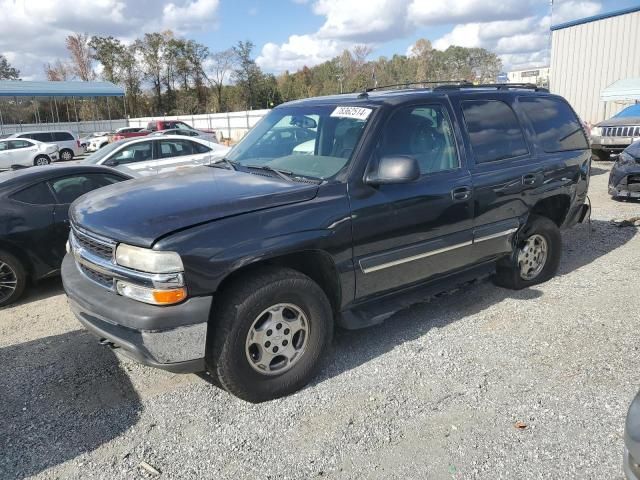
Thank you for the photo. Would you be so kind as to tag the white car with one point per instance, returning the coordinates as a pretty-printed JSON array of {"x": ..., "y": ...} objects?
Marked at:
[
  {"x": 26, "y": 152},
  {"x": 152, "y": 155},
  {"x": 68, "y": 145},
  {"x": 188, "y": 132},
  {"x": 87, "y": 139}
]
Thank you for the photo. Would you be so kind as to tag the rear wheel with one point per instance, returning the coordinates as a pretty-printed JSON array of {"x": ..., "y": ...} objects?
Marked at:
[
  {"x": 42, "y": 160},
  {"x": 536, "y": 258},
  {"x": 272, "y": 330},
  {"x": 66, "y": 155},
  {"x": 13, "y": 278}
]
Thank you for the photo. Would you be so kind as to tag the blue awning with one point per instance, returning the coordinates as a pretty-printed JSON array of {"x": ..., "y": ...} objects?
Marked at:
[
  {"x": 627, "y": 89},
  {"x": 19, "y": 88}
]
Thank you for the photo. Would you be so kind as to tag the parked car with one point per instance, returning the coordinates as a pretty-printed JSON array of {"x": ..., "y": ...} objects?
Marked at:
[
  {"x": 187, "y": 133},
  {"x": 243, "y": 269},
  {"x": 624, "y": 178},
  {"x": 34, "y": 220},
  {"x": 631, "y": 457},
  {"x": 26, "y": 152},
  {"x": 128, "y": 132},
  {"x": 152, "y": 155},
  {"x": 158, "y": 125},
  {"x": 85, "y": 141},
  {"x": 610, "y": 137},
  {"x": 68, "y": 145}
]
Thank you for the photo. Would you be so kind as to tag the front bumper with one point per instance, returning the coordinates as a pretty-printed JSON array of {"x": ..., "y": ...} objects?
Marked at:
[
  {"x": 172, "y": 338},
  {"x": 624, "y": 181},
  {"x": 611, "y": 145}
]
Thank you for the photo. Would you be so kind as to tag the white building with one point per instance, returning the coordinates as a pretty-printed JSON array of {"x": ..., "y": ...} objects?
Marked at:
[
  {"x": 536, "y": 75},
  {"x": 590, "y": 54}
]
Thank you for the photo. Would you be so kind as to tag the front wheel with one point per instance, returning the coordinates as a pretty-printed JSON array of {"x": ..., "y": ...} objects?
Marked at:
[
  {"x": 13, "y": 278},
  {"x": 269, "y": 335},
  {"x": 41, "y": 160},
  {"x": 536, "y": 258}
]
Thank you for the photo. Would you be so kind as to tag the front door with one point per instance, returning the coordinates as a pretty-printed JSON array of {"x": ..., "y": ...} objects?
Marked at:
[{"x": 407, "y": 233}]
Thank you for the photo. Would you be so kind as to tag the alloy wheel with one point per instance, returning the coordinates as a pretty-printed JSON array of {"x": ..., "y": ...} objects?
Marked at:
[
  {"x": 532, "y": 257},
  {"x": 277, "y": 339},
  {"x": 8, "y": 281}
]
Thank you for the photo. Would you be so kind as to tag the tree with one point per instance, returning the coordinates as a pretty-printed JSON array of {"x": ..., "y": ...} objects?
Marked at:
[
  {"x": 151, "y": 48},
  {"x": 7, "y": 72},
  {"x": 108, "y": 51},
  {"x": 81, "y": 56},
  {"x": 221, "y": 65},
  {"x": 247, "y": 74},
  {"x": 57, "y": 72}
]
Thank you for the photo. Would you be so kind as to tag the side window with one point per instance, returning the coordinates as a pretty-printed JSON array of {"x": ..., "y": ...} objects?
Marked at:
[
  {"x": 423, "y": 132},
  {"x": 494, "y": 130},
  {"x": 174, "y": 148},
  {"x": 4, "y": 146},
  {"x": 16, "y": 144},
  {"x": 42, "y": 137},
  {"x": 138, "y": 152},
  {"x": 555, "y": 124},
  {"x": 62, "y": 137},
  {"x": 199, "y": 148},
  {"x": 67, "y": 189},
  {"x": 38, "y": 194}
]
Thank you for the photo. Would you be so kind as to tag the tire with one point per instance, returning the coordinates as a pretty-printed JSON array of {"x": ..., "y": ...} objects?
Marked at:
[
  {"x": 41, "y": 160},
  {"x": 600, "y": 156},
  {"x": 66, "y": 155},
  {"x": 509, "y": 273},
  {"x": 233, "y": 357},
  {"x": 12, "y": 274}
]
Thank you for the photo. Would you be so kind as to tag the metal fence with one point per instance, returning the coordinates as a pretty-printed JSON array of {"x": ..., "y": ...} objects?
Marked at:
[{"x": 231, "y": 125}]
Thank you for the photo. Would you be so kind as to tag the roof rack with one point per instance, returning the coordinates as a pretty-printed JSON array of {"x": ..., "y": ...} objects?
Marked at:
[
  {"x": 497, "y": 86},
  {"x": 425, "y": 82}
]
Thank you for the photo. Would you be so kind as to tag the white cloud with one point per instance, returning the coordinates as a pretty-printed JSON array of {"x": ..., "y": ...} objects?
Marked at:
[
  {"x": 33, "y": 31},
  {"x": 298, "y": 51},
  {"x": 428, "y": 12}
]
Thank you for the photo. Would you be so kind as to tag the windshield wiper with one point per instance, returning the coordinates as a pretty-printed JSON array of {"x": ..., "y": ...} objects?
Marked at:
[
  {"x": 231, "y": 165},
  {"x": 284, "y": 174}
]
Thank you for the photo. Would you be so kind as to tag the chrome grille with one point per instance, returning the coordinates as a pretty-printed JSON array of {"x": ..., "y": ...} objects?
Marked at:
[
  {"x": 633, "y": 131},
  {"x": 101, "y": 248},
  {"x": 99, "y": 278}
]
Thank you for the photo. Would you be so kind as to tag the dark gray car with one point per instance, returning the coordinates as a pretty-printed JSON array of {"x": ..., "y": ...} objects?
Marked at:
[{"x": 624, "y": 179}]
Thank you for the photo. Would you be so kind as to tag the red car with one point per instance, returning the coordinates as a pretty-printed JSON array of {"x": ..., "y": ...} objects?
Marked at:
[
  {"x": 157, "y": 125},
  {"x": 128, "y": 132}
]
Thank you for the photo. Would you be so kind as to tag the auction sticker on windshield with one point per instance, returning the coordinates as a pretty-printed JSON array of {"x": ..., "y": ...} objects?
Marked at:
[{"x": 359, "y": 113}]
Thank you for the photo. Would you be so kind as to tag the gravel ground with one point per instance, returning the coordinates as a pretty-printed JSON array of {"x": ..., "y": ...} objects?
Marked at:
[{"x": 435, "y": 392}]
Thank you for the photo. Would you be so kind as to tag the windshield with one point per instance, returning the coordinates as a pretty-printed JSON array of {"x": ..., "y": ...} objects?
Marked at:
[
  {"x": 311, "y": 141},
  {"x": 99, "y": 155},
  {"x": 632, "y": 111}
]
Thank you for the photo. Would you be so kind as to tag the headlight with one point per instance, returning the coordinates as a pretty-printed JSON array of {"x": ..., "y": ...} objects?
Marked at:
[
  {"x": 596, "y": 131},
  {"x": 146, "y": 260}
]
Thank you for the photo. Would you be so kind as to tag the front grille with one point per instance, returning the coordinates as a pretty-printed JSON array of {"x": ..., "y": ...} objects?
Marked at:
[
  {"x": 632, "y": 131},
  {"x": 100, "y": 248},
  {"x": 101, "y": 279}
]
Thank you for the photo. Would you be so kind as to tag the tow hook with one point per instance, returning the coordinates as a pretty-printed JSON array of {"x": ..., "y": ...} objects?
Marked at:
[{"x": 108, "y": 343}]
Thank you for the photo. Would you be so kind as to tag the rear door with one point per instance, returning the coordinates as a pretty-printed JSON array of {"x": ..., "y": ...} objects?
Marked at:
[
  {"x": 407, "y": 233},
  {"x": 504, "y": 170},
  {"x": 173, "y": 153},
  {"x": 22, "y": 152}
]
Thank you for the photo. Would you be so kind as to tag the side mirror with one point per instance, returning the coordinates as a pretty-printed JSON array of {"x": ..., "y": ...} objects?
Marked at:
[{"x": 394, "y": 169}]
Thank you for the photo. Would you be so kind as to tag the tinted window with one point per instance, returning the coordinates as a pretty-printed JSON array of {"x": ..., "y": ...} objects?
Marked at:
[
  {"x": 67, "y": 189},
  {"x": 555, "y": 124},
  {"x": 138, "y": 152},
  {"x": 174, "y": 148},
  {"x": 38, "y": 194},
  {"x": 494, "y": 130},
  {"x": 15, "y": 144},
  {"x": 41, "y": 137},
  {"x": 199, "y": 148},
  {"x": 425, "y": 133},
  {"x": 62, "y": 137}
]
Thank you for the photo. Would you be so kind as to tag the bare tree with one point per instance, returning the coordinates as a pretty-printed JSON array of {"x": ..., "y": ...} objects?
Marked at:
[
  {"x": 222, "y": 64},
  {"x": 81, "y": 56},
  {"x": 57, "y": 72}
]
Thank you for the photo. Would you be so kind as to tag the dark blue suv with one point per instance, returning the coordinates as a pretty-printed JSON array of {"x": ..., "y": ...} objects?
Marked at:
[{"x": 331, "y": 211}]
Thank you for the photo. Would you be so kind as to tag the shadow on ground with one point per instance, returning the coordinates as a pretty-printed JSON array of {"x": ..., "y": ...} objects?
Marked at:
[
  {"x": 49, "y": 287},
  {"x": 61, "y": 396}
]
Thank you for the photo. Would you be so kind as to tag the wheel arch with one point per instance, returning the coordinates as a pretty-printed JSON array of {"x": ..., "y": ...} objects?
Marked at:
[
  {"x": 20, "y": 255},
  {"x": 555, "y": 208}
]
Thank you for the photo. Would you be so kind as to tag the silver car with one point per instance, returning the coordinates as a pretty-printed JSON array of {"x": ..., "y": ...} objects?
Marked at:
[
  {"x": 26, "y": 152},
  {"x": 153, "y": 155},
  {"x": 188, "y": 133},
  {"x": 610, "y": 137}
]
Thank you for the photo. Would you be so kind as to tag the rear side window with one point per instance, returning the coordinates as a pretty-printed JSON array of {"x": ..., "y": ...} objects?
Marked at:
[
  {"x": 42, "y": 137},
  {"x": 494, "y": 130},
  {"x": 69, "y": 188},
  {"x": 62, "y": 137},
  {"x": 38, "y": 194},
  {"x": 555, "y": 124},
  {"x": 16, "y": 144},
  {"x": 199, "y": 148}
]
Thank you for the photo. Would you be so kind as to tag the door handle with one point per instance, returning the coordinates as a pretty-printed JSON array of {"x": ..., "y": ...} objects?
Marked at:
[
  {"x": 529, "y": 179},
  {"x": 461, "y": 193}
]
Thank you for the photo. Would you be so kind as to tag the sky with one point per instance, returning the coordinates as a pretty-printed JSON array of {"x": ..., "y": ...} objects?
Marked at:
[{"x": 289, "y": 34}]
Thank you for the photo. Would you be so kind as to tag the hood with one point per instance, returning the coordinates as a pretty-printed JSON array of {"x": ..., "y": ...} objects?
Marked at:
[
  {"x": 141, "y": 211},
  {"x": 622, "y": 121}
]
